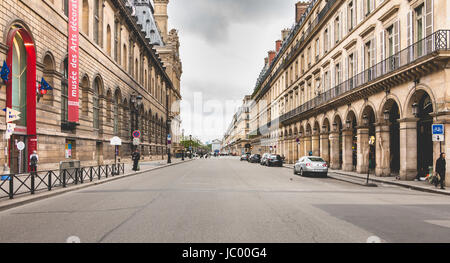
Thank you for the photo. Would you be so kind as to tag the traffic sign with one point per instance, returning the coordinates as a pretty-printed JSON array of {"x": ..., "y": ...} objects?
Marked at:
[
  {"x": 438, "y": 129},
  {"x": 20, "y": 146},
  {"x": 116, "y": 141},
  {"x": 137, "y": 134},
  {"x": 438, "y": 138},
  {"x": 136, "y": 141}
]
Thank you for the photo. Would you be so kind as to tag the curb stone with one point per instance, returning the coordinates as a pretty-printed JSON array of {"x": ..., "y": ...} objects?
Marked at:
[{"x": 374, "y": 179}]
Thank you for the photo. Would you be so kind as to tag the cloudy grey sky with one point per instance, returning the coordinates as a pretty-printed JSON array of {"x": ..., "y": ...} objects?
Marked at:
[{"x": 223, "y": 46}]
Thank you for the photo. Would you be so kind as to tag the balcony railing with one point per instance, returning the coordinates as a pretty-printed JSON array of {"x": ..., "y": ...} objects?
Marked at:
[
  {"x": 438, "y": 41},
  {"x": 294, "y": 32}
]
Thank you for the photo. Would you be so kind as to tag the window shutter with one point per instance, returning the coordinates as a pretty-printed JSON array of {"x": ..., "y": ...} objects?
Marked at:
[
  {"x": 409, "y": 35},
  {"x": 429, "y": 5},
  {"x": 429, "y": 17},
  {"x": 332, "y": 74},
  {"x": 382, "y": 45},
  {"x": 409, "y": 27},
  {"x": 361, "y": 11},
  {"x": 341, "y": 26},
  {"x": 397, "y": 37},
  {"x": 329, "y": 37},
  {"x": 383, "y": 50},
  {"x": 355, "y": 10},
  {"x": 346, "y": 68},
  {"x": 355, "y": 66}
]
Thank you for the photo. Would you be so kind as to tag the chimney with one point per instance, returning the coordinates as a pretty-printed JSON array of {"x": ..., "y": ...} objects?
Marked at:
[
  {"x": 266, "y": 60},
  {"x": 284, "y": 34},
  {"x": 278, "y": 45},
  {"x": 300, "y": 9},
  {"x": 271, "y": 56}
]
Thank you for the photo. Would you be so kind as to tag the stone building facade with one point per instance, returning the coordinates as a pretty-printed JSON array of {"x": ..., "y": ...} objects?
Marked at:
[
  {"x": 236, "y": 140},
  {"x": 359, "y": 83},
  {"x": 118, "y": 62}
]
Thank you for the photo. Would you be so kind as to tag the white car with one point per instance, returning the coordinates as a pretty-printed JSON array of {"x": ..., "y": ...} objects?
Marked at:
[{"x": 311, "y": 165}]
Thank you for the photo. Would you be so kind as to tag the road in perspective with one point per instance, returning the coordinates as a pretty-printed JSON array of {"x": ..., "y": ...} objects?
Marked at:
[{"x": 226, "y": 200}]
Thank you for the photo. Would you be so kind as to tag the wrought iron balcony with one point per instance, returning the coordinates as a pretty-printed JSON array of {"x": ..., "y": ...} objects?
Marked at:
[{"x": 438, "y": 41}]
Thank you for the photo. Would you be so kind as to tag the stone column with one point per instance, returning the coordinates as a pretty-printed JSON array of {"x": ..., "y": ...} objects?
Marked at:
[
  {"x": 362, "y": 154},
  {"x": 301, "y": 147},
  {"x": 324, "y": 147},
  {"x": 334, "y": 150},
  {"x": 315, "y": 144},
  {"x": 347, "y": 164},
  {"x": 383, "y": 153},
  {"x": 408, "y": 148},
  {"x": 308, "y": 148}
]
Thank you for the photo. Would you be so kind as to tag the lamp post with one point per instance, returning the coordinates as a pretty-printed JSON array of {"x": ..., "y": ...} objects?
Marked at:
[
  {"x": 169, "y": 141},
  {"x": 182, "y": 148},
  {"x": 136, "y": 101},
  {"x": 190, "y": 146}
]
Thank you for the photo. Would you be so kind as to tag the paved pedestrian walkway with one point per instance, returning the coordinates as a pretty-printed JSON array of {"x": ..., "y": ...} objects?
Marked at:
[
  {"x": 145, "y": 165},
  {"x": 415, "y": 185}
]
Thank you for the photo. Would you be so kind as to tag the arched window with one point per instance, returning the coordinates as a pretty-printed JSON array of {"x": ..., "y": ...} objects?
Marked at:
[
  {"x": 116, "y": 115},
  {"x": 145, "y": 80},
  {"x": 64, "y": 92},
  {"x": 85, "y": 17},
  {"x": 124, "y": 57},
  {"x": 95, "y": 102},
  {"x": 108, "y": 40},
  {"x": 116, "y": 41},
  {"x": 136, "y": 70},
  {"x": 96, "y": 21}
]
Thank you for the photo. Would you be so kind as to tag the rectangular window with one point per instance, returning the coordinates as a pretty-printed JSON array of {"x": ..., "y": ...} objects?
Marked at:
[
  {"x": 325, "y": 41},
  {"x": 317, "y": 49},
  {"x": 337, "y": 30},
  {"x": 350, "y": 14}
]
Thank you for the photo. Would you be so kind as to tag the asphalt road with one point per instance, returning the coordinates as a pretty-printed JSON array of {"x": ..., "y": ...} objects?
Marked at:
[{"x": 225, "y": 200}]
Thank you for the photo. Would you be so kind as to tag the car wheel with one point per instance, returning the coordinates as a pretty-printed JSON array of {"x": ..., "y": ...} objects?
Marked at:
[
  {"x": 295, "y": 171},
  {"x": 301, "y": 172}
]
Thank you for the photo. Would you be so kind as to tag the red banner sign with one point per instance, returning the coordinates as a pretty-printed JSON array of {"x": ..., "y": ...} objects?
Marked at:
[{"x": 73, "y": 60}]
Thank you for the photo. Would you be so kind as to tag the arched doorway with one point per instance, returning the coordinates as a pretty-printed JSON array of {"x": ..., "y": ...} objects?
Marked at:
[
  {"x": 391, "y": 109},
  {"x": 424, "y": 132},
  {"x": 21, "y": 95},
  {"x": 368, "y": 120},
  {"x": 352, "y": 124}
]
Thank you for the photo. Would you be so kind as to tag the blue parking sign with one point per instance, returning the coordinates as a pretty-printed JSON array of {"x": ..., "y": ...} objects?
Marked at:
[{"x": 438, "y": 129}]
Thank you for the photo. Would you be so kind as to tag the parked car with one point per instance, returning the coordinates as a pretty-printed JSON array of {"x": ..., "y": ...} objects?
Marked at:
[
  {"x": 254, "y": 158},
  {"x": 311, "y": 165},
  {"x": 264, "y": 159},
  {"x": 274, "y": 160},
  {"x": 244, "y": 157}
]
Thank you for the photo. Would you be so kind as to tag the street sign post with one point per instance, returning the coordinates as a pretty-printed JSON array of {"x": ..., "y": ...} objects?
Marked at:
[
  {"x": 136, "y": 134},
  {"x": 136, "y": 141},
  {"x": 438, "y": 132}
]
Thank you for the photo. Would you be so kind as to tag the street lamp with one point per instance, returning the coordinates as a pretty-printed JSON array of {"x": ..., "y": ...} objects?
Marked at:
[
  {"x": 415, "y": 109},
  {"x": 169, "y": 142},
  {"x": 136, "y": 101},
  {"x": 334, "y": 126},
  {"x": 386, "y": 115},
  {"x": 365, "y": 120},
  {"x": 348, "y": 123}
]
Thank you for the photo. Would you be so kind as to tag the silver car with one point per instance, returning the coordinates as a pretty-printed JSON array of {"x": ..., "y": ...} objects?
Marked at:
[{"x": 311, "y": 165}]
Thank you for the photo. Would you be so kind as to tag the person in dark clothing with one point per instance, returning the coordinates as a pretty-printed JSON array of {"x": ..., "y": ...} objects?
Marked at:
[
  {"x": 136, "y": 156},
  {"x": 440, "y": 169}
]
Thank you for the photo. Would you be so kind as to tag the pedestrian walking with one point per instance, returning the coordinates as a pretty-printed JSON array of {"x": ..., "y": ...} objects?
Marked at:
[
  {"x": 440, "y": 170},
  {"x": 136, "y": 156},
  {"x": 34, "y": 159}
]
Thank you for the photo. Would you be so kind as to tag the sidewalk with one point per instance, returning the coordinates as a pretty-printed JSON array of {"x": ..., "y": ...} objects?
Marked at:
[
  {"x": 360, "y": 179},
  {"x": 26, "y": 198}
]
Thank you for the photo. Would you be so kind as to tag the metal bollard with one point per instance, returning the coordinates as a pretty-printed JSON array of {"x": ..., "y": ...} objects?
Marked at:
[
  {"x": 32, "y": 183},
  {"x": 81, "y": 176},
  {"x": 49, "y": 185},
  {"x": 76, "y": 176},
  {"x": 90, "y": 174},
  {"x": 11, "y": 186},
  {"x": 64, "y": 178}
]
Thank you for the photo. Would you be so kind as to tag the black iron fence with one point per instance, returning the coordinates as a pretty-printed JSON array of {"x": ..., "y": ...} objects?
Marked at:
[
  {"x": 12, "y": 185},
  {"x": 438, "y": 41}
]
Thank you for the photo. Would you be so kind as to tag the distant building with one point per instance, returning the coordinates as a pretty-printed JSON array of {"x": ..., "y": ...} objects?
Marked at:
[{"x": 216, "y": 145}]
